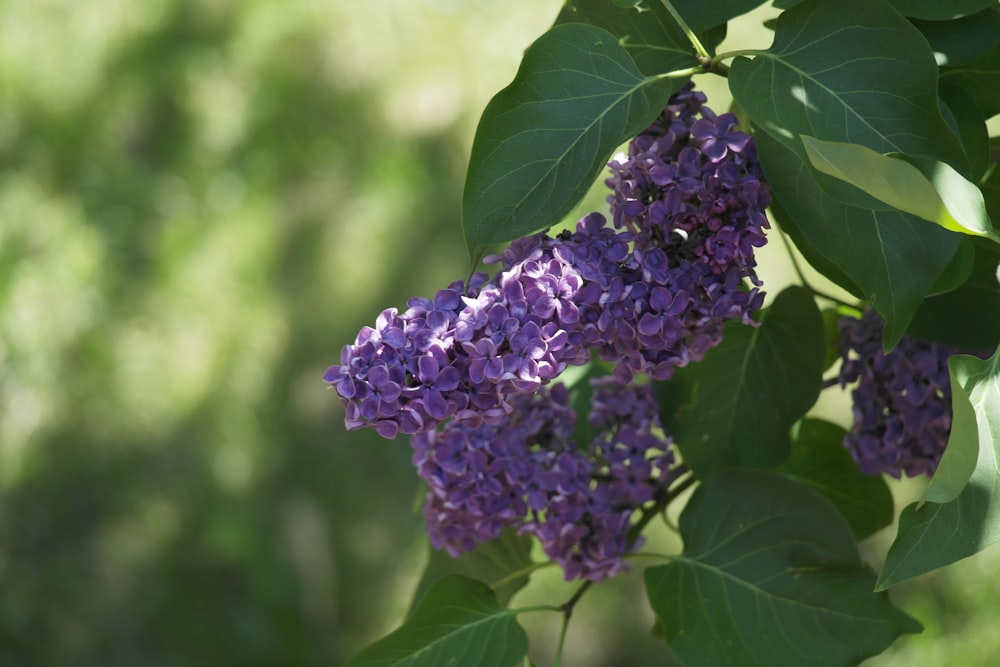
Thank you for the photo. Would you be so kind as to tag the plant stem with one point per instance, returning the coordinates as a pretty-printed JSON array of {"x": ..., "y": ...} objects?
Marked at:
[
  {"x": 703, "y": 57},
  {"x": 524, "y": 571},
  {"x": 562, "y": 640}
]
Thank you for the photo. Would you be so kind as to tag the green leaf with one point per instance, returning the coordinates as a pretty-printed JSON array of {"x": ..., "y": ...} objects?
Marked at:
[
  {"x": 542, "y": 140},
  {"x": 970, "y": 127},
  {"x": 814, "y": 257},
  {"x": 649, "y": 35},
  {"x": 458, "y": 623},
  {"x": 490, "y": 561},
  {"x": 981, "y": 79},
  {"x": 968, "y": 317},
  {"x": 853, "y": 71},
  {"x": 935, "y": 534},
  {"x": 940, "y": 10},
  {"x": 926, "y": 188},
  {"x": 892, "y": 257},
  {"x": 820, "y": 461},
  {"x": 963, "y": 40},
  {"x": 749, "y": 390},
  {"x": 769, "y": 577},
  {"x": 701, "y": 15}
]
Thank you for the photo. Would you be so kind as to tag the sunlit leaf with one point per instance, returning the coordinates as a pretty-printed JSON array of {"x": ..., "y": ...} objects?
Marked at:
[
  {"x": 492, "y": 561},
  {"x": 894, "y": 258},
  {"x": 458, "y": 623},
  {"x": 962, "y": 515},
  {"x": 748, "y": 391},
  {"x": 853, "y": 71},
  {"x": 542, "y": 140},
  {"x": 820, "y": 461},
  {"x": 926, "y": 188},
  {"x": 769, "y": 577}
]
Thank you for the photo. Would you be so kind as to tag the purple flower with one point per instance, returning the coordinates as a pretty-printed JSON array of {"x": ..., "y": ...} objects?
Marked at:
[{"x": 901, "y": 402}]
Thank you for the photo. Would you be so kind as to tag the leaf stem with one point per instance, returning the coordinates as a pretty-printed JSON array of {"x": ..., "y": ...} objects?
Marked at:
[
  {"x": 703, "y": 56},
  {"x": 524, "y": 571},
  {"x": 562, "y": 640}
]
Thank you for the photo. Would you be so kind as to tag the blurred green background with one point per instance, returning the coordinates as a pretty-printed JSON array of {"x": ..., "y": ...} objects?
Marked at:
[{"x": 200, "y": 203}]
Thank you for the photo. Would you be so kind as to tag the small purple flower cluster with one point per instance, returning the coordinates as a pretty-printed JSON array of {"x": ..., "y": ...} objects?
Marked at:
[
  {"x": 526, "y": 473},
  {"x": 902, "y": 401},
  {"x": 466, "y": 372}
]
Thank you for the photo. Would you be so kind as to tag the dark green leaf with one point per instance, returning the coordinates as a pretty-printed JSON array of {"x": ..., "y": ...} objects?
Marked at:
[
  {"x": 969, "y": 317},
  {"x": 926, "y": 188},
  {"x": 820, "y": 461},
  {"x": 962, "y": 515},
  {"x": 963, "y": 40},
  {"x": 894, "y": 258},
  {"x": 750, "y": 389},
  {"x": 981, "y": 79},
  {"x": 970, "y": 127},
  {"x": 769, "y": 577},
  {"x": 701, "y": 15},
  {"x": 458, "y": 623},
  {"x": 815, "y": 258},
  {"x": 491, "y": 562},
  {"x": 853, "y": 71},
  {"x": 940, "y": 10},
  {"x": 649, "y": 35},
  {"x": 627, "y": 3},
  {"x": 542, "y": 140},
  {"x": 957, "y": 271}
]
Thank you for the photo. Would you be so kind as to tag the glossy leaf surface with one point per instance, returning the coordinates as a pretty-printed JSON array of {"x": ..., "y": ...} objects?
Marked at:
[
  {"x": 542, "y": 140},
  {"x": 769, "y": 577}
]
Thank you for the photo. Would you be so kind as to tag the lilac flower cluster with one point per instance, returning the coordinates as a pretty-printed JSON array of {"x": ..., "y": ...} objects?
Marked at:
[
  {"x": 692, "y": 194},
  {"x": 526, "y": 473},
  {"x": 466, "y": 373},
  {"x": 902, "y": 401}
]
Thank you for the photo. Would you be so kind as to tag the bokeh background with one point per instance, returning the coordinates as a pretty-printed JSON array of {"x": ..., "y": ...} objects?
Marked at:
[{"x": 201, "y": 201}]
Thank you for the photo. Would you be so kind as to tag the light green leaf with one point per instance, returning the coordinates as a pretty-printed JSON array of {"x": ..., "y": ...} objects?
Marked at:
[
  {"x": 853, "y": 71},
  {"x": 926, "y": 188},
  {"x": 748, "y": 391},
  {"x": 894, "y": 258},
  {"x": 769, "y": 577},
  {"x": 490, "y": 561},
  {"x": 820, "y": 461},
  {"x": 543, "y": 140},
  {"x": 458, "y": 623},
  {"x": 962, "y": 515}
]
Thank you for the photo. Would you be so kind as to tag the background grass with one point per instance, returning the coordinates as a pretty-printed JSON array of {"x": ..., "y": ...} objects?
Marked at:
[{"x": 200, "y": 203}]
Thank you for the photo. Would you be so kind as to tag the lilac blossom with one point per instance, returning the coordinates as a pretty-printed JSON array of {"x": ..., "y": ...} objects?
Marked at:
[{"x": 902, "y": 400}]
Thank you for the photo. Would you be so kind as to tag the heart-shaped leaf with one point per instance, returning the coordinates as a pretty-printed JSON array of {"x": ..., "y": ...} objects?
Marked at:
[
  {"x": 458, "y": 623},
  {"x": 769, "y": 577},
  {"x": 543, "y": 139},
  {"x": 820, "y": 461},
  {"x": 748, "y": 391},
  {"x": 853, "y": 71},
  {"x": 962, "y": 515}
]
